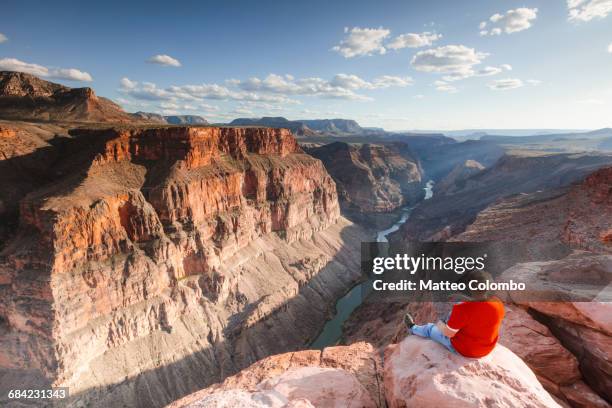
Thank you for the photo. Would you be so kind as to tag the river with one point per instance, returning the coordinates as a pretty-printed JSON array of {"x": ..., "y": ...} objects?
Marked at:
[{"x": 332, "y": 331}]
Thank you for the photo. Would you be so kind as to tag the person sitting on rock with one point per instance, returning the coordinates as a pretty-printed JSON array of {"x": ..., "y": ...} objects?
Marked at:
[{"x": 472, "y": 328}]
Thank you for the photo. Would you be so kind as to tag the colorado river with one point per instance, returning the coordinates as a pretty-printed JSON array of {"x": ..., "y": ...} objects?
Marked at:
[{"x": 332, "y": 331}]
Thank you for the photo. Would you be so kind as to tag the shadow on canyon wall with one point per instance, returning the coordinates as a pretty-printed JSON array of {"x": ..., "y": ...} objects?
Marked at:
[{"x": 306, "y": 313}]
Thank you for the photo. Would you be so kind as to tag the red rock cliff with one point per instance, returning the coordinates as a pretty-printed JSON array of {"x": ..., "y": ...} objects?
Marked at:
[{"x": 205, "y": 242}]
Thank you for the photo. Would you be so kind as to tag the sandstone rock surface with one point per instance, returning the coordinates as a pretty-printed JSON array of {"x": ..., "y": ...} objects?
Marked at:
[
  {"x": 419, "y": 373},
  {"x": 339, "y": 376},
  {"x": 582, "y": 327},
  {"x": 555, "y": 366},
  {"x": 26, "y": 97},
  {"x": 302, "y": 387}
]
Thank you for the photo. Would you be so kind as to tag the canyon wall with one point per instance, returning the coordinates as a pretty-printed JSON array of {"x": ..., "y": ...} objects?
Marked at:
[
  {"x": 568, "y": 345},
  {"x": 155, "y": 254},
  {"x": 373, "y": 179},
  {"x": 516, "y": 173}
]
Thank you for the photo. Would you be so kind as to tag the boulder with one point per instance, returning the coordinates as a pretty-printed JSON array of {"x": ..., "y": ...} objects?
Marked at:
[
  {"x": 342, "y": 376},
  {"x": 419, "y": 373},
  {"x": 555, "y": 366},
  {"x": 299, "y": 388},
  {"x": 582, "y": 327}
]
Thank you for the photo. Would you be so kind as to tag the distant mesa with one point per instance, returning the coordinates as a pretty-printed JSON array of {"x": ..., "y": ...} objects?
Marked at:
[
  {"x": 27, "y": 97},
  {"x": 298, "y": 128},
  {"x": 149, "y": 117},
  {"x": 311, "y": 127},
  {"x": 186, "y": 120},
  {"x": 600, "y": 139},
  {"x": 333, "y": 125},
  {"x": 171, "y": 120}
]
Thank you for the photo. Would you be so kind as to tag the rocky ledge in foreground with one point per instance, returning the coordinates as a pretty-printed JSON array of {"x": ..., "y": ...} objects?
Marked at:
[
  {"x": 153, "y": 262},
  {"x": 416, "y": 373}
]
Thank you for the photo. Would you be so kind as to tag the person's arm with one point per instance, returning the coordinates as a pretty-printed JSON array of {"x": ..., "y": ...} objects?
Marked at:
[
  {"x": 458, "y": 319},
  {"x": 447, "y": 331}
]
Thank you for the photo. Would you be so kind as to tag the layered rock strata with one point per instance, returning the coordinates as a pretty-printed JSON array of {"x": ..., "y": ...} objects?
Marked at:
[
  {"x": 372, "y": 179},
  {"x": 515, "y": 174},
  {"x": 27, "y": 97},
  {"x": 153, "y": 255}
]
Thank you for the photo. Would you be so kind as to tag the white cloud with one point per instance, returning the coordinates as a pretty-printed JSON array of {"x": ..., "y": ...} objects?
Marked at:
[
  {"x": 610, "y": 48},
  {"x": 272, "y": 83},
  {"x": 209, "y": 108},
  {"x": 243, "y": 111},
  {"x": 71, "y": 74},
  {"x": 387, "y": 81},
  {"x": 146, "y": 91},
  {"x": 489, "y": 71},
  {"x": 261, "y": 106},
  {"x": 534, "y": 82},
  {"x": 127, "y": 84},
  {"x": 482, "y": 72},
  {"x": 163, "y": 59},
  {"x": 273, "y": 89},
  {"x": 352, "y": 82},
  {"x": 445, "y": 87},
  {"x": 505, "y": 84},
  {"x": 362, "y": 41},
  {"x": 341, "y": 86},
  {"x": 13, "y": 64},
  {"x": 412, "y": 40},
  {"x": 586, "y": 10},
  {"x": 512, "y": 21},
  {"x": 3, "y": 38},
  {"x": 169, "y": 105},
  {"x": 456, "y": 60},
  {"x": 419, "y": 96}
]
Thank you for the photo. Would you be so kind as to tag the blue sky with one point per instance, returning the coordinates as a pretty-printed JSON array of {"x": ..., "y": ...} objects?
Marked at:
[{"x": 395, "y": 64}]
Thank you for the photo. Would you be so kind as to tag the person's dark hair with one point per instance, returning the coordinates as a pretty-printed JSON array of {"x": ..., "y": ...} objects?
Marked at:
[{"x": 479, "y": 277}]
